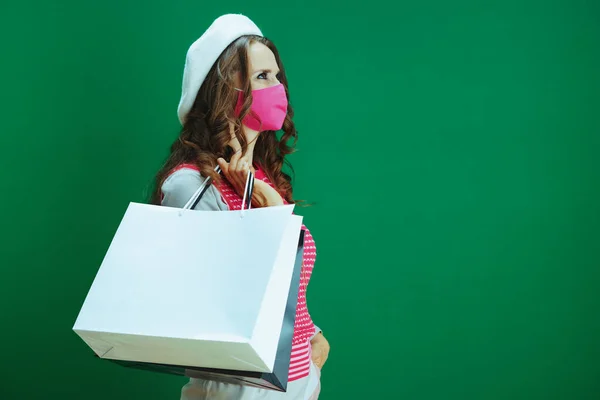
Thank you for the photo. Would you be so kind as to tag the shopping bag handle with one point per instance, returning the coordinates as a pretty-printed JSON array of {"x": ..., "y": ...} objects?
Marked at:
[{"x": 246, "y": 200}]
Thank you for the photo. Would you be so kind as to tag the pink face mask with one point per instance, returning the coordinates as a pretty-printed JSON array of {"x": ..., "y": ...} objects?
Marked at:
[{"x": 270, "y": 106}]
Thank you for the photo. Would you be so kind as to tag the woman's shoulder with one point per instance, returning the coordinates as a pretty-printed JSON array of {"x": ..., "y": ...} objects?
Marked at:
[
  {"x": 184, "y": 171},
  {"x": 181, "y": 184}
]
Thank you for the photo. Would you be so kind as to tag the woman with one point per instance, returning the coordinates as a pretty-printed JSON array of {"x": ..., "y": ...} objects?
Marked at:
[{"x": 234, "y": 99}]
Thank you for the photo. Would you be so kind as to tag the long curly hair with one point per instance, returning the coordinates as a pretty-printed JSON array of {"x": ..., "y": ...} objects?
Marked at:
[{"x": 205, "y": 134}]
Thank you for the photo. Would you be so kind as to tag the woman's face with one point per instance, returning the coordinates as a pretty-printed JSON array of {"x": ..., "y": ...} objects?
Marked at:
[{"x": 262, "y": 67}]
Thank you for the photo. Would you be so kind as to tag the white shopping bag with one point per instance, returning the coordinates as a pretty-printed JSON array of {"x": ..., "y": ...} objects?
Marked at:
[{"x": 191, "y": 292}]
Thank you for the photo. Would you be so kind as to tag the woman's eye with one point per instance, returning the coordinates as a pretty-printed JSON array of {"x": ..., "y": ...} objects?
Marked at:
[{"x": 262, "y": 76}]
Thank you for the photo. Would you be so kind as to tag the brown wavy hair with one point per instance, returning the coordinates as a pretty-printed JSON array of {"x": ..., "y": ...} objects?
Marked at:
[{"x": 205, "y": 134}]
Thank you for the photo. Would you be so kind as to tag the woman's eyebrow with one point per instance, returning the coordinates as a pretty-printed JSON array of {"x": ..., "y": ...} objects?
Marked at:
[{"x": 265, "y": 70}]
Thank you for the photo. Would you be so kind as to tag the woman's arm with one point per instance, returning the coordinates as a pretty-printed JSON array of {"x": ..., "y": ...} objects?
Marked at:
[
  {"x": 320, "y": 349},
  {"x": 264, "y": 195}
]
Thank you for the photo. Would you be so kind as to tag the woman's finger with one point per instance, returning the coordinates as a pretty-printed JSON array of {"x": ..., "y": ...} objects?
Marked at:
[
  {"x": 238, "y": 173},
  {"x": 244, "y": 171},
  {"x": 233, "y": 163},
  {"x": 235, "y": 145},
  {"x": 224, "y": 165},
  {"x": 243, "y": 167},
  {"x": 227, "y": 171}
]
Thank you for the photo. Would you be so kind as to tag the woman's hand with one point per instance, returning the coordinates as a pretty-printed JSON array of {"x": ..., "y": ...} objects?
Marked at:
[
  {"x": 320, "y": 350},
  {"x": 236, "y": 171}
]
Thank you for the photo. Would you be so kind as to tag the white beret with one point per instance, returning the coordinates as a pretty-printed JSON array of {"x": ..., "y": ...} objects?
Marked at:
[{"x": 205, "y": 51}]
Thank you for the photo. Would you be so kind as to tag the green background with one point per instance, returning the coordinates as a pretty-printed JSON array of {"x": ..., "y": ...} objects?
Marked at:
[{"x": 451, "y": 149}]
